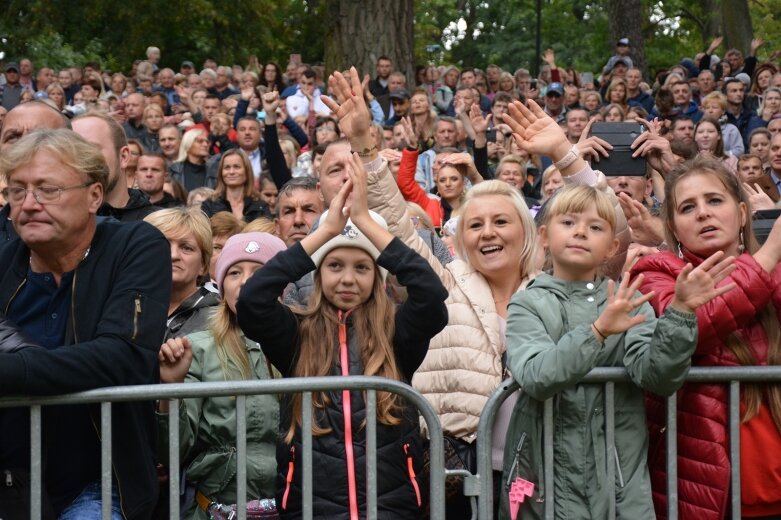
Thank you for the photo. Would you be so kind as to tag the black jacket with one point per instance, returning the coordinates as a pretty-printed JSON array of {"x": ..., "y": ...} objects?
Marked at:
[
  {"x": 120, "y": 295},
  {"x": 276, "y": 328},
  {"x": 137, "y": 207},
  {"x": 192, "y": 315},
  {"x": 253, "y": 209},
  {"x": 176, "y": 171}
]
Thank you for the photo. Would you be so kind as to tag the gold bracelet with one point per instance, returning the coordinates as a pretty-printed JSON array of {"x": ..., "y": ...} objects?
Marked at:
[{"x": 366, "y": 152}]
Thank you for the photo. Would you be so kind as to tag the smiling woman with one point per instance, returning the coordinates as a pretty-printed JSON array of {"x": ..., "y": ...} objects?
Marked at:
[{"x": 235, "y": 191}]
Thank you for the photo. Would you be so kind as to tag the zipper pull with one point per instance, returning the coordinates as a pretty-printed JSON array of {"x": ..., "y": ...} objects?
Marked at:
[
  {"x": 138, "y": 304},
  {"x": 9, "y": 479}
]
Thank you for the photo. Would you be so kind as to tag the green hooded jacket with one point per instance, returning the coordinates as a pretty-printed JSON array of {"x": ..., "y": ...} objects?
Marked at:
[
  {"x": 550, "y": 348},
  {"x": 207, "y": 430}
]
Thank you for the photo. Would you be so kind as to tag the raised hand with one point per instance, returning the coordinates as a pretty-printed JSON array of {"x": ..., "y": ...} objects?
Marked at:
[
  {"x": 697, "y": 286},
  {"x": 247, "y": 93},
  {"x": 408, "y": 132},
  {"x": 537, "y": 133},
  {"x": 479, "y": 123},
  {"x": 616, "y": 318},
  {"x": 271, "y": 103},
  {"x": 350, "y": 109},
  {"x": 715, "y": 44},
  {"x": 175, "y": 358},
  {"x": 646, "y": 229},
  {"x": 654, "y": 147},
  {"x": 338, "y": 211},
  {"x": 756, "y": 43},
  {"x": 591, "y": 147},
  {"x": 757, "y": 197}
]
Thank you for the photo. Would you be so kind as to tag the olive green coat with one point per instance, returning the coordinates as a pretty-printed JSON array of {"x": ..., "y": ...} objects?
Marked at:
[
  {"x": 550, "y": 348},
  {"x": 207, "y": 430}
]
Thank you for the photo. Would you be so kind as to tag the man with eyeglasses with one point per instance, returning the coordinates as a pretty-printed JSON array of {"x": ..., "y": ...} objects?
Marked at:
[
  {"x": 20, "y": 121},
  {"x": 90, "y": 296}
]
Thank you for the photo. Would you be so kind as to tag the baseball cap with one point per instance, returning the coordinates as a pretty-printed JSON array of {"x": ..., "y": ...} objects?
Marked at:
[
  {"x": 620, "y": 61},
  {"x": 12, "y": 65},
  {"x": 623, "y": 41},
  {"x": 555, "y": 88},
  {"x": 400, "y": 93},
  {"x": 188, "y": 63}
]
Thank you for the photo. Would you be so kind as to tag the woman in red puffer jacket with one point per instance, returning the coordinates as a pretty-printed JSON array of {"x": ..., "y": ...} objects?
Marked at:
[{"x": 706, "y": 210}]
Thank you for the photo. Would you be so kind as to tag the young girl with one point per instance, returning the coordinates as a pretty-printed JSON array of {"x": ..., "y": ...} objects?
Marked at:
[
  {"x": 207, "y": 425},
  {"x": 565, "y": 324},
  {"x": 349, "y": 328}
]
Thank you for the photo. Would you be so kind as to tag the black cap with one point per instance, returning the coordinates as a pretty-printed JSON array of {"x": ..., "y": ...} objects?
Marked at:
[
  {"x": 12, "y": 65},
  {"x": 187, "y": 63},
  {"x": 400, "y": 93}
]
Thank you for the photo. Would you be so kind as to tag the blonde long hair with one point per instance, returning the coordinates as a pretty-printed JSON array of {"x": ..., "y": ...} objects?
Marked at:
[
  {"x": 230, "y": 346},
  {"x": 318, "y": 329}
]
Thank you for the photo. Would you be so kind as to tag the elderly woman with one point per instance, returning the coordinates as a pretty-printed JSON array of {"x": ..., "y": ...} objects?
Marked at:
[
  {"x": 189, "y": 233},
  {"x": 222, "y": 353},
  {"x": 235, "y": 191}
]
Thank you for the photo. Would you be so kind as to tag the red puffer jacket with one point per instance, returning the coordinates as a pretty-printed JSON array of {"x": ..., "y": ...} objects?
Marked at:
[{"x": 703, "y": 445}]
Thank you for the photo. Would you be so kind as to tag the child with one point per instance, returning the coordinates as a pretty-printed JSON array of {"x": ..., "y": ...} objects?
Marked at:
[
  {"x": 564, "y": 325},
  {"x": 349, "y": 328}
]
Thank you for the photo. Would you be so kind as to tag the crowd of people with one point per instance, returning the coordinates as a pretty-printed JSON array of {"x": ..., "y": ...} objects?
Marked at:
[{"x": 243, "y": 223}]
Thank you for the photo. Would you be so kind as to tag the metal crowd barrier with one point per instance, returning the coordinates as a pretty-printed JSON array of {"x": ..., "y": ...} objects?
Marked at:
[
  {"x": 733, "y": 376},
  {"x": 240, "y": 389}
]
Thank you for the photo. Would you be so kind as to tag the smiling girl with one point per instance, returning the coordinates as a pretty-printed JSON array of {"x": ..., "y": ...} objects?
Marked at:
[{"x": 350, "y": 327}]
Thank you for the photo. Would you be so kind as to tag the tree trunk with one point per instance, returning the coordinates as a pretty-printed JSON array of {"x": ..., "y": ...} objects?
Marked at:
[
  {"x": 625, "y": 21},
  {"x": 736, "y": 22},
  {"x": 360, "y": 31},
  {"x": 712, "y": 22}
]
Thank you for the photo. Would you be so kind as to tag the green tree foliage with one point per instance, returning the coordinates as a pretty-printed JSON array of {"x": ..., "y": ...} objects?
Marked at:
[
  {"x": 469, "y": 32},
  {"x": 120, "y": 31}
]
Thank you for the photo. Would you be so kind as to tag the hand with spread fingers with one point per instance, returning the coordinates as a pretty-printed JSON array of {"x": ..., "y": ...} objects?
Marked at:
[
  {"x": 654, "y": 147},
  {"x": 696, "y": 286},
  {"x": 617, "y": 316},
  {"x": 757, "y": 198},
  {"x": 351, "y": 110},
  {"x": 646, "y": 229},
  {"x": 537, "y": 133}
]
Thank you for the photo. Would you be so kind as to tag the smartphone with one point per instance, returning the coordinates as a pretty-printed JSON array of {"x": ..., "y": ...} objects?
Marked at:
[
  {"x": 621, "y": 136},
  {"x": 768, "y": 186},
  {"x": 533, "y": 84},
  {"x": 295, "y": 58},
  {"x": 764, "y": 220},
  {"x": 586, "y": 77}
]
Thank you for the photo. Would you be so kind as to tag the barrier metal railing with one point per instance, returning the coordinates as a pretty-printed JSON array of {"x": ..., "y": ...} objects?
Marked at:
[
  {"x": 239, "y": 389},
  {"x": 733, "y": 376}
]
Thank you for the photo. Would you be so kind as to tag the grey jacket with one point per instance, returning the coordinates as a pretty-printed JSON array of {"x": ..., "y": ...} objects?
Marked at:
[{"x": 550, "y": 348}]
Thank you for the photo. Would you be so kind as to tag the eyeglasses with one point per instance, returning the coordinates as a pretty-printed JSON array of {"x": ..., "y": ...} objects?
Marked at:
[{"x": 42, "y": 194}]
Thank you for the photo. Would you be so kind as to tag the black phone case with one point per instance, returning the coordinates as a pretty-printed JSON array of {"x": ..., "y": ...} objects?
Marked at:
[{"x": 620, "y": 162}]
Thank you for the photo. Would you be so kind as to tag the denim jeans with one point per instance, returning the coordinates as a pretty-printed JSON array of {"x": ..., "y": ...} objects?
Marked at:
[{"x": 87, "y": 505}]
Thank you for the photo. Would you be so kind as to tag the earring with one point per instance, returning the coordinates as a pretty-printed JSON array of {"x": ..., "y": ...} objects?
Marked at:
[
  {"x": 741, "y": 246},
  {"x": 680, "y": 251}
]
